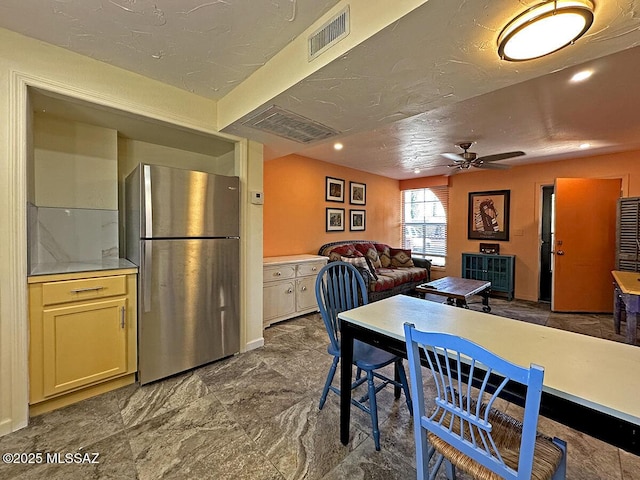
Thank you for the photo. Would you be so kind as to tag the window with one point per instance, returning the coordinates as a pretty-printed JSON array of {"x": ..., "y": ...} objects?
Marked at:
[{"x": 424, "y": 223}]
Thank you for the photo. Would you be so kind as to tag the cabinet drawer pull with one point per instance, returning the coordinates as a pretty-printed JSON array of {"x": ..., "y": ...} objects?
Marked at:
[
  {"x": 122, "y": 317},
  {"x": 277, "y": 274},
  {"x": 290, "y": 290},
  {"x": 304, "y": 289},
  {"x": 89, "y": 289}
]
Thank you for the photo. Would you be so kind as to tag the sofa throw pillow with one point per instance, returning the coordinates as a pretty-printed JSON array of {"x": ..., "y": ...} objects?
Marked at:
[
  {"x": 340, "y": 251},
  {"x": 384, "y": 254},
  {"x": 359, "y": 262},
  {"x": 370, "y": 252},
  {"x": 401, "y": 258}
]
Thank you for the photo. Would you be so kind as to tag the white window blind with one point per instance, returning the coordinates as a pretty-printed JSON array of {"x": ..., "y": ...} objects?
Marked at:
[{"x": 424, "y": 223}]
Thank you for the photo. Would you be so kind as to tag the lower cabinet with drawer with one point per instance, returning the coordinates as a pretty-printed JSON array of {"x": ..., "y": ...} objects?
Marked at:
[
  {"x": 289, "y": 286},
  {"x": 82, "y": 336}
]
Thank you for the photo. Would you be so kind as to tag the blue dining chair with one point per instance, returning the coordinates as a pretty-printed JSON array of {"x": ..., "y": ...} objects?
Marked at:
[
  {"x": 463, "y": 430},
  {"x": 340, "y": 287}
]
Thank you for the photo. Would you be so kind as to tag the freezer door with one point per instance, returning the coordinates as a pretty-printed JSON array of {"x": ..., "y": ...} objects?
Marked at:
[
  {"x": 180, "y": 203},
  {"x": 188, "y": 305}
]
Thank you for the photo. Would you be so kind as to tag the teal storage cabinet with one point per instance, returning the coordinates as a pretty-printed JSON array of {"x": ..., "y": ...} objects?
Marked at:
[{"x": 497, "y": 269}]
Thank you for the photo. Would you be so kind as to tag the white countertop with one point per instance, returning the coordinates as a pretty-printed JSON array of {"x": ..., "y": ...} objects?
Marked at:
[
  {"x": 292, "y": 259},
  {"x": 88, "y": 266},
  {"x": 598, "y": 373}
]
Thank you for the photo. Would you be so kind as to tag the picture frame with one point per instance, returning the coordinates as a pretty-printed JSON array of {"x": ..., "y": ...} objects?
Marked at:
[
  {"x": 335, "y": 220},
  {"x": 357, "y": 220},
  {"x": 488, "y": 217},
  {"x": 358, "y": 193},
  {"x": 334, "y": 190}
]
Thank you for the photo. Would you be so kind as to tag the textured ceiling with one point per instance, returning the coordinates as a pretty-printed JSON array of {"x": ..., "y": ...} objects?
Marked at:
[
  {"x": 205, "y": 47},
  {"x": 399, "y": 98}
]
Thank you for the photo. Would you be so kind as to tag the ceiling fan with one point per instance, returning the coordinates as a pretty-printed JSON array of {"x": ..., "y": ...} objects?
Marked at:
[{"x": 465, "y": 160}]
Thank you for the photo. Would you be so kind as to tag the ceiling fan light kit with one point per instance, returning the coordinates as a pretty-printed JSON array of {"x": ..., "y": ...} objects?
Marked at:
[{"x": 545, "y": 28}]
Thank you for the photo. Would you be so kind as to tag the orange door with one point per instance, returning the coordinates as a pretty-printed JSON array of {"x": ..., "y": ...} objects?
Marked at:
[{"x": 584, "y": 244}]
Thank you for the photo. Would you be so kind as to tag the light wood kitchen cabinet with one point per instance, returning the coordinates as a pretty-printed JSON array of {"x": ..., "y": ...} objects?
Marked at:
[
  {"x": 289, "y": 286},
  {"x": 82, "y": 336}
]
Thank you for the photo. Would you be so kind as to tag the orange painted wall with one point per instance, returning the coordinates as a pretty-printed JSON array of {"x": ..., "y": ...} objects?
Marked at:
[
  {"x": 295, "y": 206},
  {"x": 525, "y": 184},
  {"x": 294, "y": 212}
]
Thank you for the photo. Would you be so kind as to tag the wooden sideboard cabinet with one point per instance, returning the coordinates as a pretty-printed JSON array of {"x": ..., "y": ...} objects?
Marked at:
[
  {"x": 289, "y": 286},
  {"x": 497, "y": 269},
  {"x": 82, "y": 336}
]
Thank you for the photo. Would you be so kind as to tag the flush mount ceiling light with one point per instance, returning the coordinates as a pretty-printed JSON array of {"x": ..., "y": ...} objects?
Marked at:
[{"x": 545, "y": 28}]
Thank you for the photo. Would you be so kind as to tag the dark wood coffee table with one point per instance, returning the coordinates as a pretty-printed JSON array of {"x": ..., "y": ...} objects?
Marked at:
[{"x": 458, "y": 290}]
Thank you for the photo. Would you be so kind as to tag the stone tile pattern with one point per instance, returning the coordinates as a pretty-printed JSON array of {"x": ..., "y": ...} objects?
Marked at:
[{"x": 255, "y": 416}]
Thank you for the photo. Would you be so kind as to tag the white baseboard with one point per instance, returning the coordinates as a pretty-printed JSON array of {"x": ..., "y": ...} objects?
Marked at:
[
  {"x": 6, "y": 426},
  {"x": 252, "y": 345}
]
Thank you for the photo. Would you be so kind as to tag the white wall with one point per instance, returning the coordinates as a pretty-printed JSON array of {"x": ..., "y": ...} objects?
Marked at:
[
  {"x": 75, "y": 164},
  {"x": 252, "y": 250},
  {"x": 132, "y": 152},
  {"x": 25, "y": 62}
]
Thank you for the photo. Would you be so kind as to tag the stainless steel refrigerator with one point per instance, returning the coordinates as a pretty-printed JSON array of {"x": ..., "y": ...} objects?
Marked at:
[{"x": 182, "y": 230}]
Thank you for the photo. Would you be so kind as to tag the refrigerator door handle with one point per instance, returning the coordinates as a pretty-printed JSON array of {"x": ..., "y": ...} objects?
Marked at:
[
  {"x": 146, "y": 256},
  {"x": 148, "y": 209}
]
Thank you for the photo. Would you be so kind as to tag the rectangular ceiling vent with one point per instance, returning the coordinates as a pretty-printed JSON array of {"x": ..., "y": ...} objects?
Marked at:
[
  {"x": 290, "y": 125},
  {"x": 329, "y": 34}
]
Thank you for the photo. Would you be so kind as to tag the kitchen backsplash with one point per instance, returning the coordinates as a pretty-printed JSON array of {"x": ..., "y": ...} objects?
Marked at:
[{"x": 58, "y": 235}]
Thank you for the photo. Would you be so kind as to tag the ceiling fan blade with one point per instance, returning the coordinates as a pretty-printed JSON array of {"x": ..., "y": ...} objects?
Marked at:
[
  {"x": 492, "y": 166},
  {"x": 454, "y": 157},
  {"x": 500, "y": 156}
]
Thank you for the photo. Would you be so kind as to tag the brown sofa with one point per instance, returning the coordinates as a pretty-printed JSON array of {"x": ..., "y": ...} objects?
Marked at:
[{"x": 387, "y": 271}]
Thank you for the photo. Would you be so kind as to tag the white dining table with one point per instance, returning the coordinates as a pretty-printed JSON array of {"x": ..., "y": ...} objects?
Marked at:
[{"x": 590, "y": 384}]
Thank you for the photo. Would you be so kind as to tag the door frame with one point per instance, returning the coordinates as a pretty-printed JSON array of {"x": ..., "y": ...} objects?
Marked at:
[{"x": 546, "y": 216}]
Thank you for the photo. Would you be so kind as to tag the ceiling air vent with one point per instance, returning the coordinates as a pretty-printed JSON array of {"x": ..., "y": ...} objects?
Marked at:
[
  {"x": 329, "y": 34},
  {"x": 289, "y": 125}
]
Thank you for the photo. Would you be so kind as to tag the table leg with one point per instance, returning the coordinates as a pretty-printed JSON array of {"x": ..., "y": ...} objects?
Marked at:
[
  {"x": 485, "y": 301},
  {"x": 617, "y": 307},
  {"x": 346, "y": 360},
  {"x": 632, "y": 306},
  {"x": 632, "y": 326},
  {"x": 462, "y": 303}
]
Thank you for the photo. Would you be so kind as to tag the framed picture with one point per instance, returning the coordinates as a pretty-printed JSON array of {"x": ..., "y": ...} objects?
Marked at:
[
  {"x": 357, "y": 220},
  {"x": 334, "y": 190},
  {"x": 489, "y": 215},
  {"x": 335, "y": 219},
  {"x": 358, "y": 193}
]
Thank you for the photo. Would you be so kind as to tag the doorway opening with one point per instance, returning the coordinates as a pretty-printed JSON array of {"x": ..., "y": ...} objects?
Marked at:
[{"x": 546, "y": 244}]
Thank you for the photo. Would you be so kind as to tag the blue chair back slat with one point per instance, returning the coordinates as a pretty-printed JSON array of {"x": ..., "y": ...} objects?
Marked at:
[{"x": 462, "y": 413}]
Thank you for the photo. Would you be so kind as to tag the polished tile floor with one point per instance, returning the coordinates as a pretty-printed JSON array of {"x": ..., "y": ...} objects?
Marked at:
[{"x": 255, "y": 416}]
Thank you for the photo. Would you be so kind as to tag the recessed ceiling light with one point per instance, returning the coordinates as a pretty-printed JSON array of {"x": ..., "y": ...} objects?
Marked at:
[
  {"x": 417, "y": 170},
  {"x": 545, "y": 28},
  {"x": 337, "y": 146},
  {"x": 585, "y": 145},
  {"x": 580, "y": 76}
]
